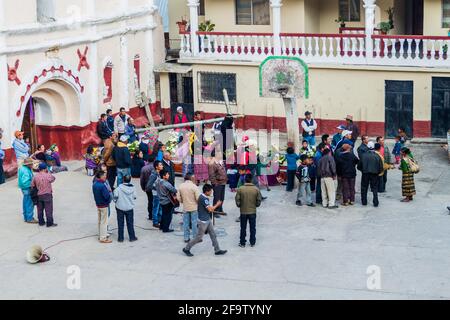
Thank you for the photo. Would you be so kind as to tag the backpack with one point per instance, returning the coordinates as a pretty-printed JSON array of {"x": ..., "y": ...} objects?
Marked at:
[{"x": 413, "y": 165}]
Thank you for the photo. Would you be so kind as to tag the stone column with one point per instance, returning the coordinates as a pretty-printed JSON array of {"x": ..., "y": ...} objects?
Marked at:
[
  {"x": 193, "y": 12},
  {"x": 293, "y": 132},
  {"x": 5, "y": 106},
  {"x": 149, "y": 60},
  {"x": 276, "y": 21},
  {"x": 93, "y": 72},
  {"x": 124, "y": 63},
  {"x": 369, "y": 6}
]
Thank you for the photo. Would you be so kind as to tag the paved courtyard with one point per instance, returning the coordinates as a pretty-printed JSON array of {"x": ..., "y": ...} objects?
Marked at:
[{"x": 302, "y": 253}]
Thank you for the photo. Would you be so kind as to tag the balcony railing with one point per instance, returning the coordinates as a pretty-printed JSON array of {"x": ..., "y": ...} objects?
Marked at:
[{"x": 321, "y": 48}]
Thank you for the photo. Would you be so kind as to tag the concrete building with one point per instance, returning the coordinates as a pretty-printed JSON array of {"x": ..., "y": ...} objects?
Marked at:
[
  {"x": 386, "y": 80},
  {"x": 65, "y": 62}
]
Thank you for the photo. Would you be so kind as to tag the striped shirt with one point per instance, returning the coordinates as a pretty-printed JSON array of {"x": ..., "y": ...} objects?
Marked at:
[{"x": 43, "y": 182}]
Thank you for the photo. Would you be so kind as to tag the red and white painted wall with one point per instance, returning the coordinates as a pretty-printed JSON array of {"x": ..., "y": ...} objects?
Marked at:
[{"x": 63, "y": 72}]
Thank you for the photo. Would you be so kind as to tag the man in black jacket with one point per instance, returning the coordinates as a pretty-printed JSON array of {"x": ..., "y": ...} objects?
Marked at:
[
  {"x": 122, "y": 157},
  {"x": 363, "y": 147},
  {"x": 371, "y": 166},
  {"x": 102, "y": 128},
  {"x": 169, "y": 167},
  {"x": 145, "y": 177},
  {"x": 346, "y": 162}
]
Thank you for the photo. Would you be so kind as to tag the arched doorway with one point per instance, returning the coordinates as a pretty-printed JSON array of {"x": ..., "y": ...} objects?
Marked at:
[{"x": 52, "y": 108}]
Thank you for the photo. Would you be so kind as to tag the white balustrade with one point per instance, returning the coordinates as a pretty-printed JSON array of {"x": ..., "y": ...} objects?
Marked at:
[{"x": 348, "y": 48}]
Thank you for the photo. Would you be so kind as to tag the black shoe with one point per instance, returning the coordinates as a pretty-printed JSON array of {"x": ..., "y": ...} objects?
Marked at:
[
  {"x": 333, "y": 207},
  {"x": 168, "y": 231},
  {"x": 264, "y": 198},
  {"x": 187, "y": 252},
  {"x": 376, "y": 205},
  {"x": 52, "y": 226},
  {"x": 187, "y": 241},
  {"x": 312, "y": 205},
  {"x": 364, "y": 204},
  {"x": 238, "y": 219},
  {"x": 252, "y": 245},
  {"x": 298, "y": 203},
  {"x": 221, "y": 252},
  {"x": 133, "y": 240},
  {"x": 120, "y": 240},
  {"x": 448, "y": 208},
  {"x": 242, "y": 245},
  {"x": 42, "y": 224},
  {"x": 157, "y": 226}
]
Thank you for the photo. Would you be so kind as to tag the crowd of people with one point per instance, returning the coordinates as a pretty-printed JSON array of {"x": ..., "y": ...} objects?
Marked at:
[{"x": 328, "y": 169}]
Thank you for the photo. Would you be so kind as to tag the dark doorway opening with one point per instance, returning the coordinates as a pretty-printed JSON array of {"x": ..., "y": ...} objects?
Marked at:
[
  {"x": 414, "y": 13},
  {"x": 399, "y": 106},
  {"x": 29, "y": 124},
  {"x": 181, "y": 94},
  {"x": 440, "y": 107}
]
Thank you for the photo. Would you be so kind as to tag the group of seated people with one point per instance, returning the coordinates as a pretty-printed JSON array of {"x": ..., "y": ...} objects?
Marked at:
[{"x": 51, "y": 157}]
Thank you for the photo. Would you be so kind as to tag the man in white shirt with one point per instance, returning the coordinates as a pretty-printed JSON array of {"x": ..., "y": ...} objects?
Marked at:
[{"x": 309, "y": 126}]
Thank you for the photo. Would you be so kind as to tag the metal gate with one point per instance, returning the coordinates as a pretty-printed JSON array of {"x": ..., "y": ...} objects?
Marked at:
[
  {"x": 440, "y": 107},
  {"x": 399, "y": 102}
]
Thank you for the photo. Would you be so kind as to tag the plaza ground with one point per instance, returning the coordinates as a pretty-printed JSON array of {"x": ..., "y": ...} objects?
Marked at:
[{"x": 302, "y": 253}]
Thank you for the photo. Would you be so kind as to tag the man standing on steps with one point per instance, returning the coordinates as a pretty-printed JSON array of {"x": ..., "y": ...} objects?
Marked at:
[
  {"x": 205, "y": 210},
  {"x": 309, "y": 126},
  {"x": 120, "y": 122},
  {"x": 371, "y": 166},
  {"x": 351, "y": 126}
]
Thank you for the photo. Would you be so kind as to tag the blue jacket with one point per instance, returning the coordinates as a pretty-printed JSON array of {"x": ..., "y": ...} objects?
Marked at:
[
  {"x": 344, "y": 141},
  {"x": 25, "y": 177},
  {"x": 110, "y": 122},
  {"x": 292, "y": 161},
  {"x": 397, "y": 148},
  {"x": 21, "y": 149},
  {"x": 102, "y": 195}
]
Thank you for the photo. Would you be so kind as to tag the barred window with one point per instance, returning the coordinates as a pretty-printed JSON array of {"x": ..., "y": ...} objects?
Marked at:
[
  {"x": 253, "y": 12},
  {"x": 445, "y": 13},
  {"x": 211, "y": 87},
  {"x": 350, "y": 10}
]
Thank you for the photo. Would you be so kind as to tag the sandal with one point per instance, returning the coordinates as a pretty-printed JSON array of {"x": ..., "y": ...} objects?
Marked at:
[{"x": 405, "y": 200}]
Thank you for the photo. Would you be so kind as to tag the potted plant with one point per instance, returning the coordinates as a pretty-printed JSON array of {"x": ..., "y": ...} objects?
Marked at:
[
  {"x": 182, "y": 25},
  {"x": 391, "y": 13},
  {"x": 341, "y": 21},
  {"x": 207, "y": 26},
  {"x": 385, "y": 27},
  {"x": 445, "y": 51}
]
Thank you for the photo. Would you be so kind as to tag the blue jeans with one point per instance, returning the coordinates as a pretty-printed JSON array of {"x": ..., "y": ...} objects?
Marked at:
[
  {"x": 27, "y": 204},
  {"x": 190, "y": 217},
  {"x": 127, "y": 216},
  {"x": 304, "y": 188},
  {"x": 311, "y": 140},
  {"x": 122, "y": 173},
  {"x": 156, "y": 210}
]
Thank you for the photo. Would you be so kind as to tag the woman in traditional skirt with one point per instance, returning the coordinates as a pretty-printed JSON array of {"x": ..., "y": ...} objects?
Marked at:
[
  {"x": 200, "y": 163},
  {"x": 408, "y": 186}
]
